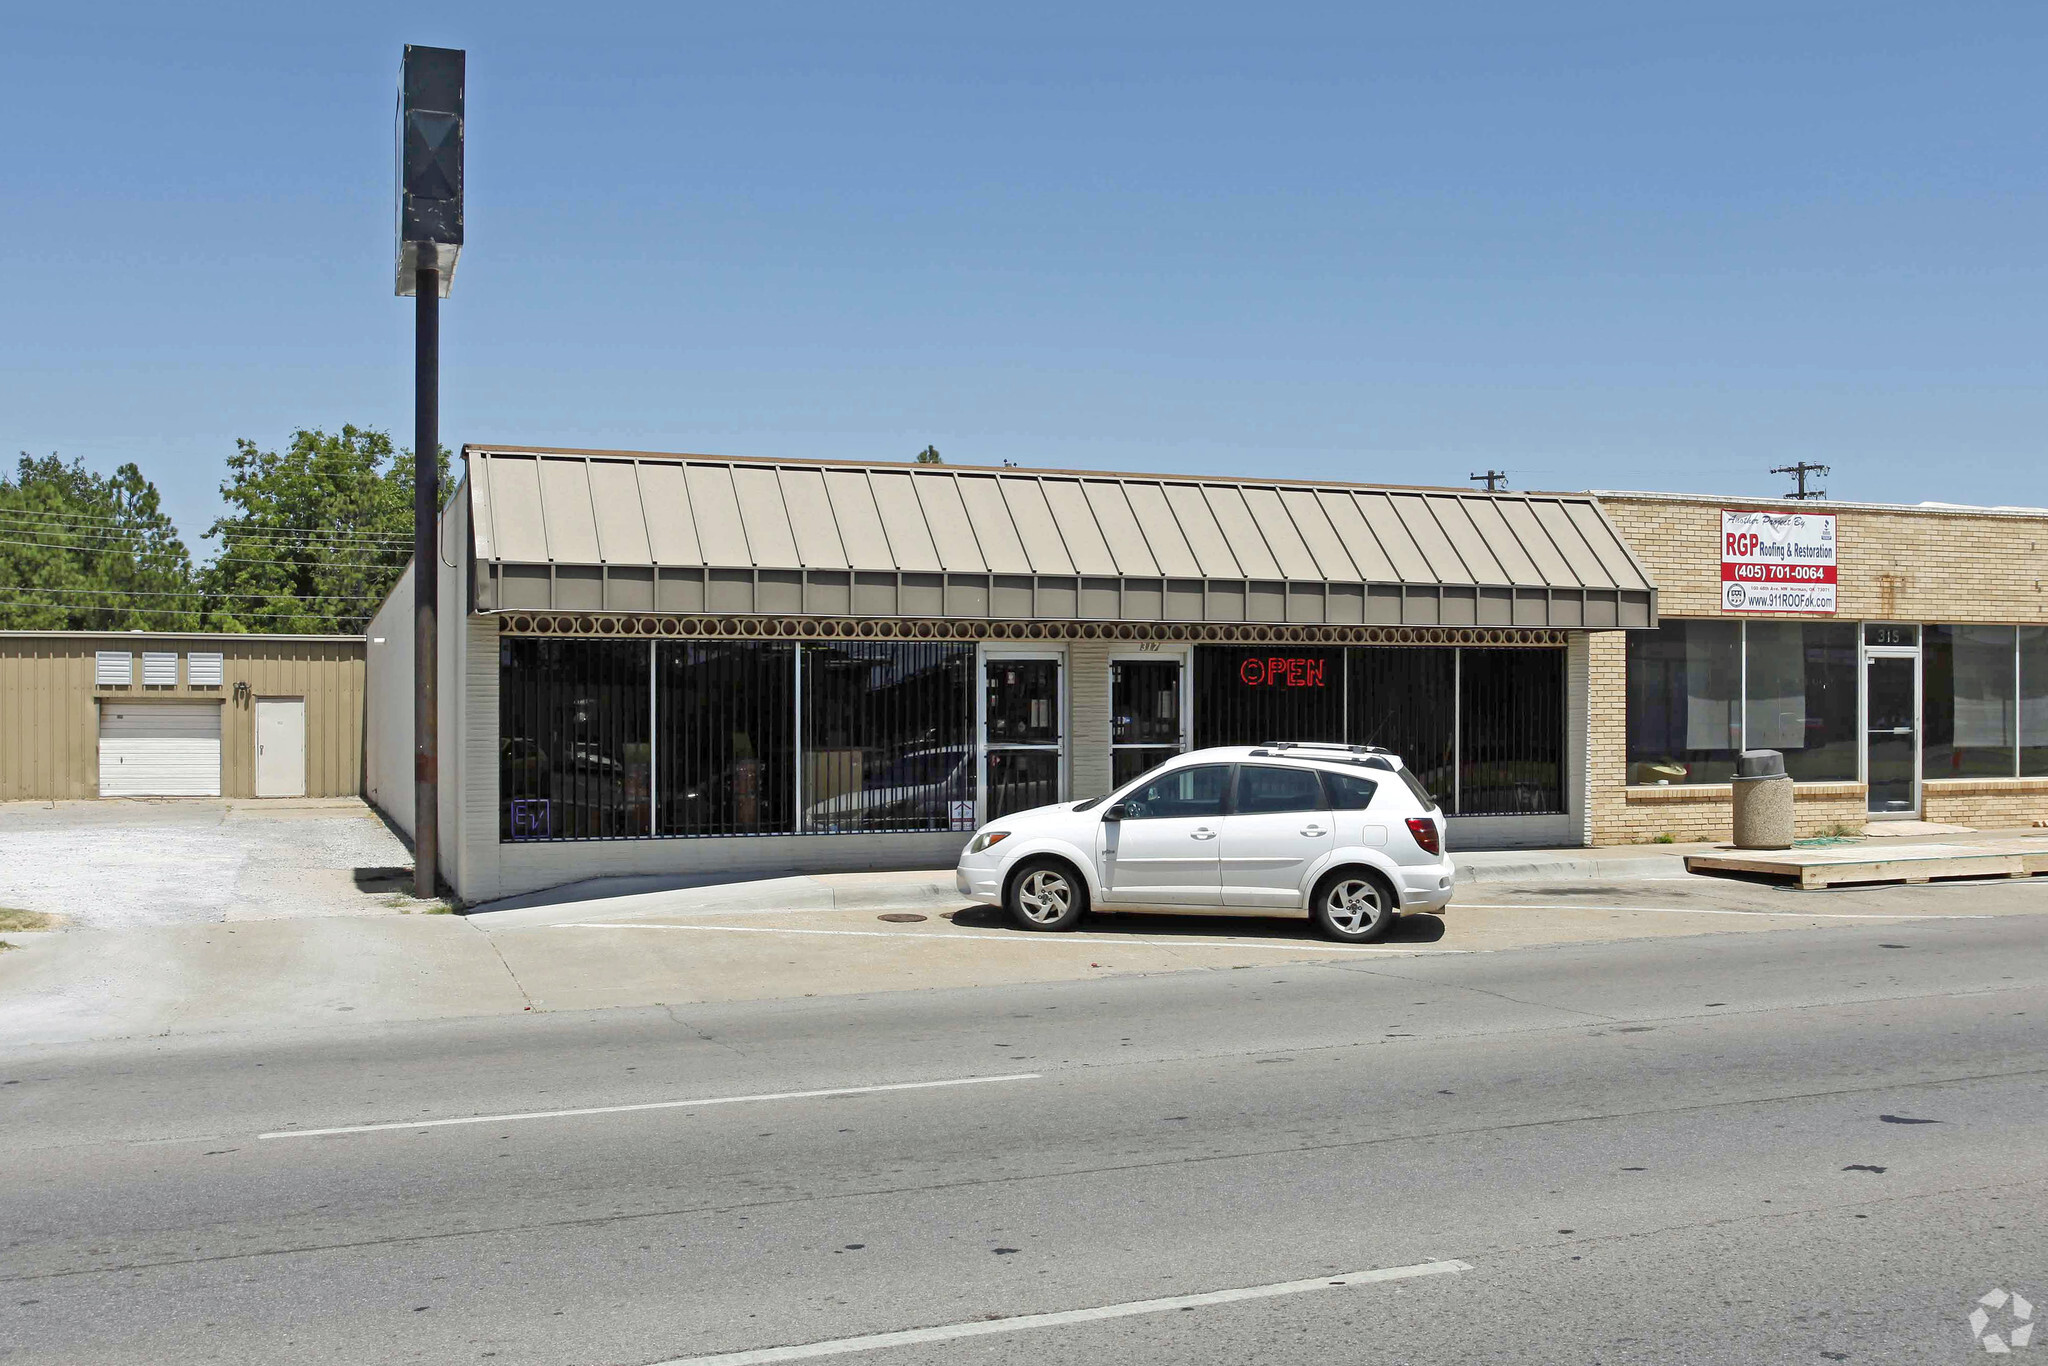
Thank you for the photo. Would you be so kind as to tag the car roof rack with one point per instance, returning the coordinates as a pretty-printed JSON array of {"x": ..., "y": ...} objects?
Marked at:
[
  {"x": 1322, "y": 744},
  {"x": 1371, "y": 756}
]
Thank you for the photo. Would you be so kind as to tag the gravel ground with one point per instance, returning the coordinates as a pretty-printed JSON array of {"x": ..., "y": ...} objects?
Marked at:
[{"x": 114, "y": 864}]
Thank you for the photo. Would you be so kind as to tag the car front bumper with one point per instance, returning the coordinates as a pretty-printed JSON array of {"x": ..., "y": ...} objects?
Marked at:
[{"x": 983, "y": 884}]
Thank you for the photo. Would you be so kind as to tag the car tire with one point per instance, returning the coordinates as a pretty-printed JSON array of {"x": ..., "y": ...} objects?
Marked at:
[
  {"x": 1353, "y": 906},
  {"x": 1046, "y": 894}
]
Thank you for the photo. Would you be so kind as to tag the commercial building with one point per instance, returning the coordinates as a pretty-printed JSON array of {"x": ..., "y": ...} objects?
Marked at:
[
  {"x": 1898, "y": 656},
  {"x": 148, "y": 714},
  {"x": 666, "y": 664}
]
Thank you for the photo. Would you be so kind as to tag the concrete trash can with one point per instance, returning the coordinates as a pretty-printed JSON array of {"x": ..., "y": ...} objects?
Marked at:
[{"x": 1763, "y": 800}]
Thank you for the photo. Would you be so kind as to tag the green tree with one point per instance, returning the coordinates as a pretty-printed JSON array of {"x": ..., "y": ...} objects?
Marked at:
[
  {"x": 81, "y": 551},
  {"x": 929, "y": 456},
  {"x": 317, "y": 533}
]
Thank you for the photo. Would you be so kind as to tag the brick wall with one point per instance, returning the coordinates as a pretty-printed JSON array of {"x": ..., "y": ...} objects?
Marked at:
[{"x": 1894, "y": 564}]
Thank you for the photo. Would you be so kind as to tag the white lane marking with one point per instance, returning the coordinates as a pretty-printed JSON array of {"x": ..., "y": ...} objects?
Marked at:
[
  {"x": 1052, "y": 940},
  {"x": 1703, "y": 910},
  {"x": 652, "y": 1105},
  {"x": 983, "y": 1327}
]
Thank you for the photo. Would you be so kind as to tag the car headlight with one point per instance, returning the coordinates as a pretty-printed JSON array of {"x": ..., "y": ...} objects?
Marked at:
[{"x": 987, "y": 839}]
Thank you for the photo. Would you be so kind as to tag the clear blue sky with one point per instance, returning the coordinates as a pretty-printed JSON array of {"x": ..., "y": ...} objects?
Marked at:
[{"x": 1595, "y": 245}]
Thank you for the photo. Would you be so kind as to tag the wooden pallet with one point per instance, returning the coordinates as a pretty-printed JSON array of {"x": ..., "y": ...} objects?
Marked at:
[{"x": 1813, "y": 868}]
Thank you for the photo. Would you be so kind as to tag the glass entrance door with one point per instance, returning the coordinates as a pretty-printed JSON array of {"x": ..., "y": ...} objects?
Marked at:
[
  {"x": 1021, "y": 734},
  {"x": 1144, "y": 716},
  {"x": 1891, "y": 741}
]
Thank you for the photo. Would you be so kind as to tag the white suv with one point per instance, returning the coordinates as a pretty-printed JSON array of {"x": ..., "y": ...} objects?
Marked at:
[{"x": 1342, "y": 833}]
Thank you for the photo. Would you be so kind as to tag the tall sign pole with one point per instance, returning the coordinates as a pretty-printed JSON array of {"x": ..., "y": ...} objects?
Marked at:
[{"x": 429, "y": 239}]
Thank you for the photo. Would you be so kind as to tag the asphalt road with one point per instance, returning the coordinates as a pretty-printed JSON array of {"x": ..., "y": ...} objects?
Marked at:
[{"x": 1810, "y": 1145}]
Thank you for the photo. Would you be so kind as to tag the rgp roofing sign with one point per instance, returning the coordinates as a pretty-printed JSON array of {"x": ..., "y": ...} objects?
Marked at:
[{"x": 1778, "y": 562}]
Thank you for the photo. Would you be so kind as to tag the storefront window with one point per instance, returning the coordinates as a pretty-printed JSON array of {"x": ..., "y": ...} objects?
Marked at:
[
  {"x": 1511, "y": 733},
  {"x": 1401, "y": 701},
  {"x": 1684, "y": 702},
  {"x": 2034, "y": 701},
  {"x": 1800, "y": 696},
  {"x": 572, "y": 739},
  {"x": 888, "y": 737},
  {"x": 725, "y": 714},
  {"x": 1969, "y": 713},
  {"x": 1249, "y": 696}
]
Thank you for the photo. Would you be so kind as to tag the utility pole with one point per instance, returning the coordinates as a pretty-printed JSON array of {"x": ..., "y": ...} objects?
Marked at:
[
  {"x": 1495, "y": 480},
  {"x": 1799, "y": 473},
  {"x": 429, "y": 239}
]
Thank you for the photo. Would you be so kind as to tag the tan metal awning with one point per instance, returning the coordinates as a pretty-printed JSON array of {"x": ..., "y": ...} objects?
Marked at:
[{"x": 619, "y": 531}]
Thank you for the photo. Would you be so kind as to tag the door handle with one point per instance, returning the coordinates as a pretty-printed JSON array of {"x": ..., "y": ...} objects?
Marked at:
[
  {"x": 1204, "y": 834},
  {"x": 1311, "y": 829}
]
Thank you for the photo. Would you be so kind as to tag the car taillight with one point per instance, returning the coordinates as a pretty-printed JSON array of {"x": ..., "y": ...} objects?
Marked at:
[{"x": 1424, "y": 830}]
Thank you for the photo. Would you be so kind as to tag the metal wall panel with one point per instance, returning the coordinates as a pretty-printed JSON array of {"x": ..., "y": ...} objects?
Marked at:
[
  {"x": 858, "y": 519},
  {"x": 995, "y": 531},
  {"x": 1078, "y": 528},
  {"x": 769, "y": 536},
  {"x": 1162, "y": 531},
  {"x": 621, "y": 516},
  {"x": 672, "y": 521},
  {"x": 1043, "y": 545},
  {"x": 1127, "y": 543},
  {"x": 811, "y": 521},
  {"x": 566, "y": 509}
]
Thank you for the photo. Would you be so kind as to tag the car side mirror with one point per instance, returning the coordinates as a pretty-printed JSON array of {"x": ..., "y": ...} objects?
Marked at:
[{"x": 1116, "y": 812}]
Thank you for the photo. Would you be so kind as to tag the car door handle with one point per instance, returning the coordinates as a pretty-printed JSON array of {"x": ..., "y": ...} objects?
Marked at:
[
  {"x": 1203, "y": 834},
  {"x": 1311, "y": 829}
]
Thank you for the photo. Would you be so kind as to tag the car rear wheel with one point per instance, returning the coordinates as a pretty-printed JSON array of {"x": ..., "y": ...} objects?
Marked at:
[
  {"x": 1047, "y": 894},
  {"x": 1354, "y": 907}
]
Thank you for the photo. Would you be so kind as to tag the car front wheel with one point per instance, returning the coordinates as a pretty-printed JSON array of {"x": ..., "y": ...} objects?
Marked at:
[
  {"x": 1354, "y": 908},
  {"x": 1047, "y": 895}
]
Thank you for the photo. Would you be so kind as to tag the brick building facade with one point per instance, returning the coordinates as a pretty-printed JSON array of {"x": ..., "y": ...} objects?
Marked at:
[{"x": 1919, "y": 567}]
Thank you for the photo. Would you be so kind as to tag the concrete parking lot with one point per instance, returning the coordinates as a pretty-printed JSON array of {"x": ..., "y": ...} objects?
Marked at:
[{"x": 186, "y": 860}]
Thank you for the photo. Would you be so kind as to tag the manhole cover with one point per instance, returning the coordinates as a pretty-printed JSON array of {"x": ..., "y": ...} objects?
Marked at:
[{"x": 900, "y": 917}]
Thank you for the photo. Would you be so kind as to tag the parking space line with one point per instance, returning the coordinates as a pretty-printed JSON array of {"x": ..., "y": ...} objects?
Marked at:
[
  {"x": 975, "y": 1328},
  {"x": 1707, "y": 910},
  {"x": 1045, "y": 940},
  {"x": 652, "y": 1105}
]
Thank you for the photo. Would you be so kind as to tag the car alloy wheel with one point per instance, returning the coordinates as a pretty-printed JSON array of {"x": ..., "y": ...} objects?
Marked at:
[
  {"x": 1045, "y": 896},
  {"x": 1355, "y": 908}
]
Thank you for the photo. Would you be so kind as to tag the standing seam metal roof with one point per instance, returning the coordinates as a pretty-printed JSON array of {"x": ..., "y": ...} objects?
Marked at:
[{"x": 595, "y": 517}]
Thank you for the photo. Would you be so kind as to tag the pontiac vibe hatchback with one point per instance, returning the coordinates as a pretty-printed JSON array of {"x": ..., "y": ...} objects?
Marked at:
[{"x": 1345, "y": 835}]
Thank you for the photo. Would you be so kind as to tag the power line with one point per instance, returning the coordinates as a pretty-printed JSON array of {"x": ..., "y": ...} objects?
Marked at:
[
  {"x": 117, "y": 526},
  {"x": 68, "y": 516},
  {"x": 187, "y": 593},
  {"x": 218, "y": 559},
  {"x": 180, "y": 611}
]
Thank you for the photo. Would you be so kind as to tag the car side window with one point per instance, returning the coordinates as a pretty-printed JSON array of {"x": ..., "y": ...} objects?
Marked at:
[
  {"x": 1348, "y": 793},
  {"x": 1196, "y": 791},
  {"x": 1262, "y": 790}
]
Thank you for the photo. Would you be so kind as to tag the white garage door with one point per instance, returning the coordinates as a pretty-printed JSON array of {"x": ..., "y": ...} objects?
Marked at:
[{"x": 164, "y": 750}]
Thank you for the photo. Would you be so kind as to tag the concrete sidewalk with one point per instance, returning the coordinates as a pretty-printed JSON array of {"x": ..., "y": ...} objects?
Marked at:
[{"x": 932, "y": 889}]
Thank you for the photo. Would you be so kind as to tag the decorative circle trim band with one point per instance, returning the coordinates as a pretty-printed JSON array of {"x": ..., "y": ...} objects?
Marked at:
[{"x": 613, "y": 624}]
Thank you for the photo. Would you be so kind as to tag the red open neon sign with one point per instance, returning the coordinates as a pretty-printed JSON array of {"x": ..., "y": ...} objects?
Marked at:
[{"x": 1282, "y": 671}]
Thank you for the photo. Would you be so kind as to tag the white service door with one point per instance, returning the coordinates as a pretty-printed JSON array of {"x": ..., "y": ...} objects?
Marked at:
[
  {"x": 1279, "y": 825},
  {"x": 161, "y": 749},
  {"x": 280, "y": 747}
]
